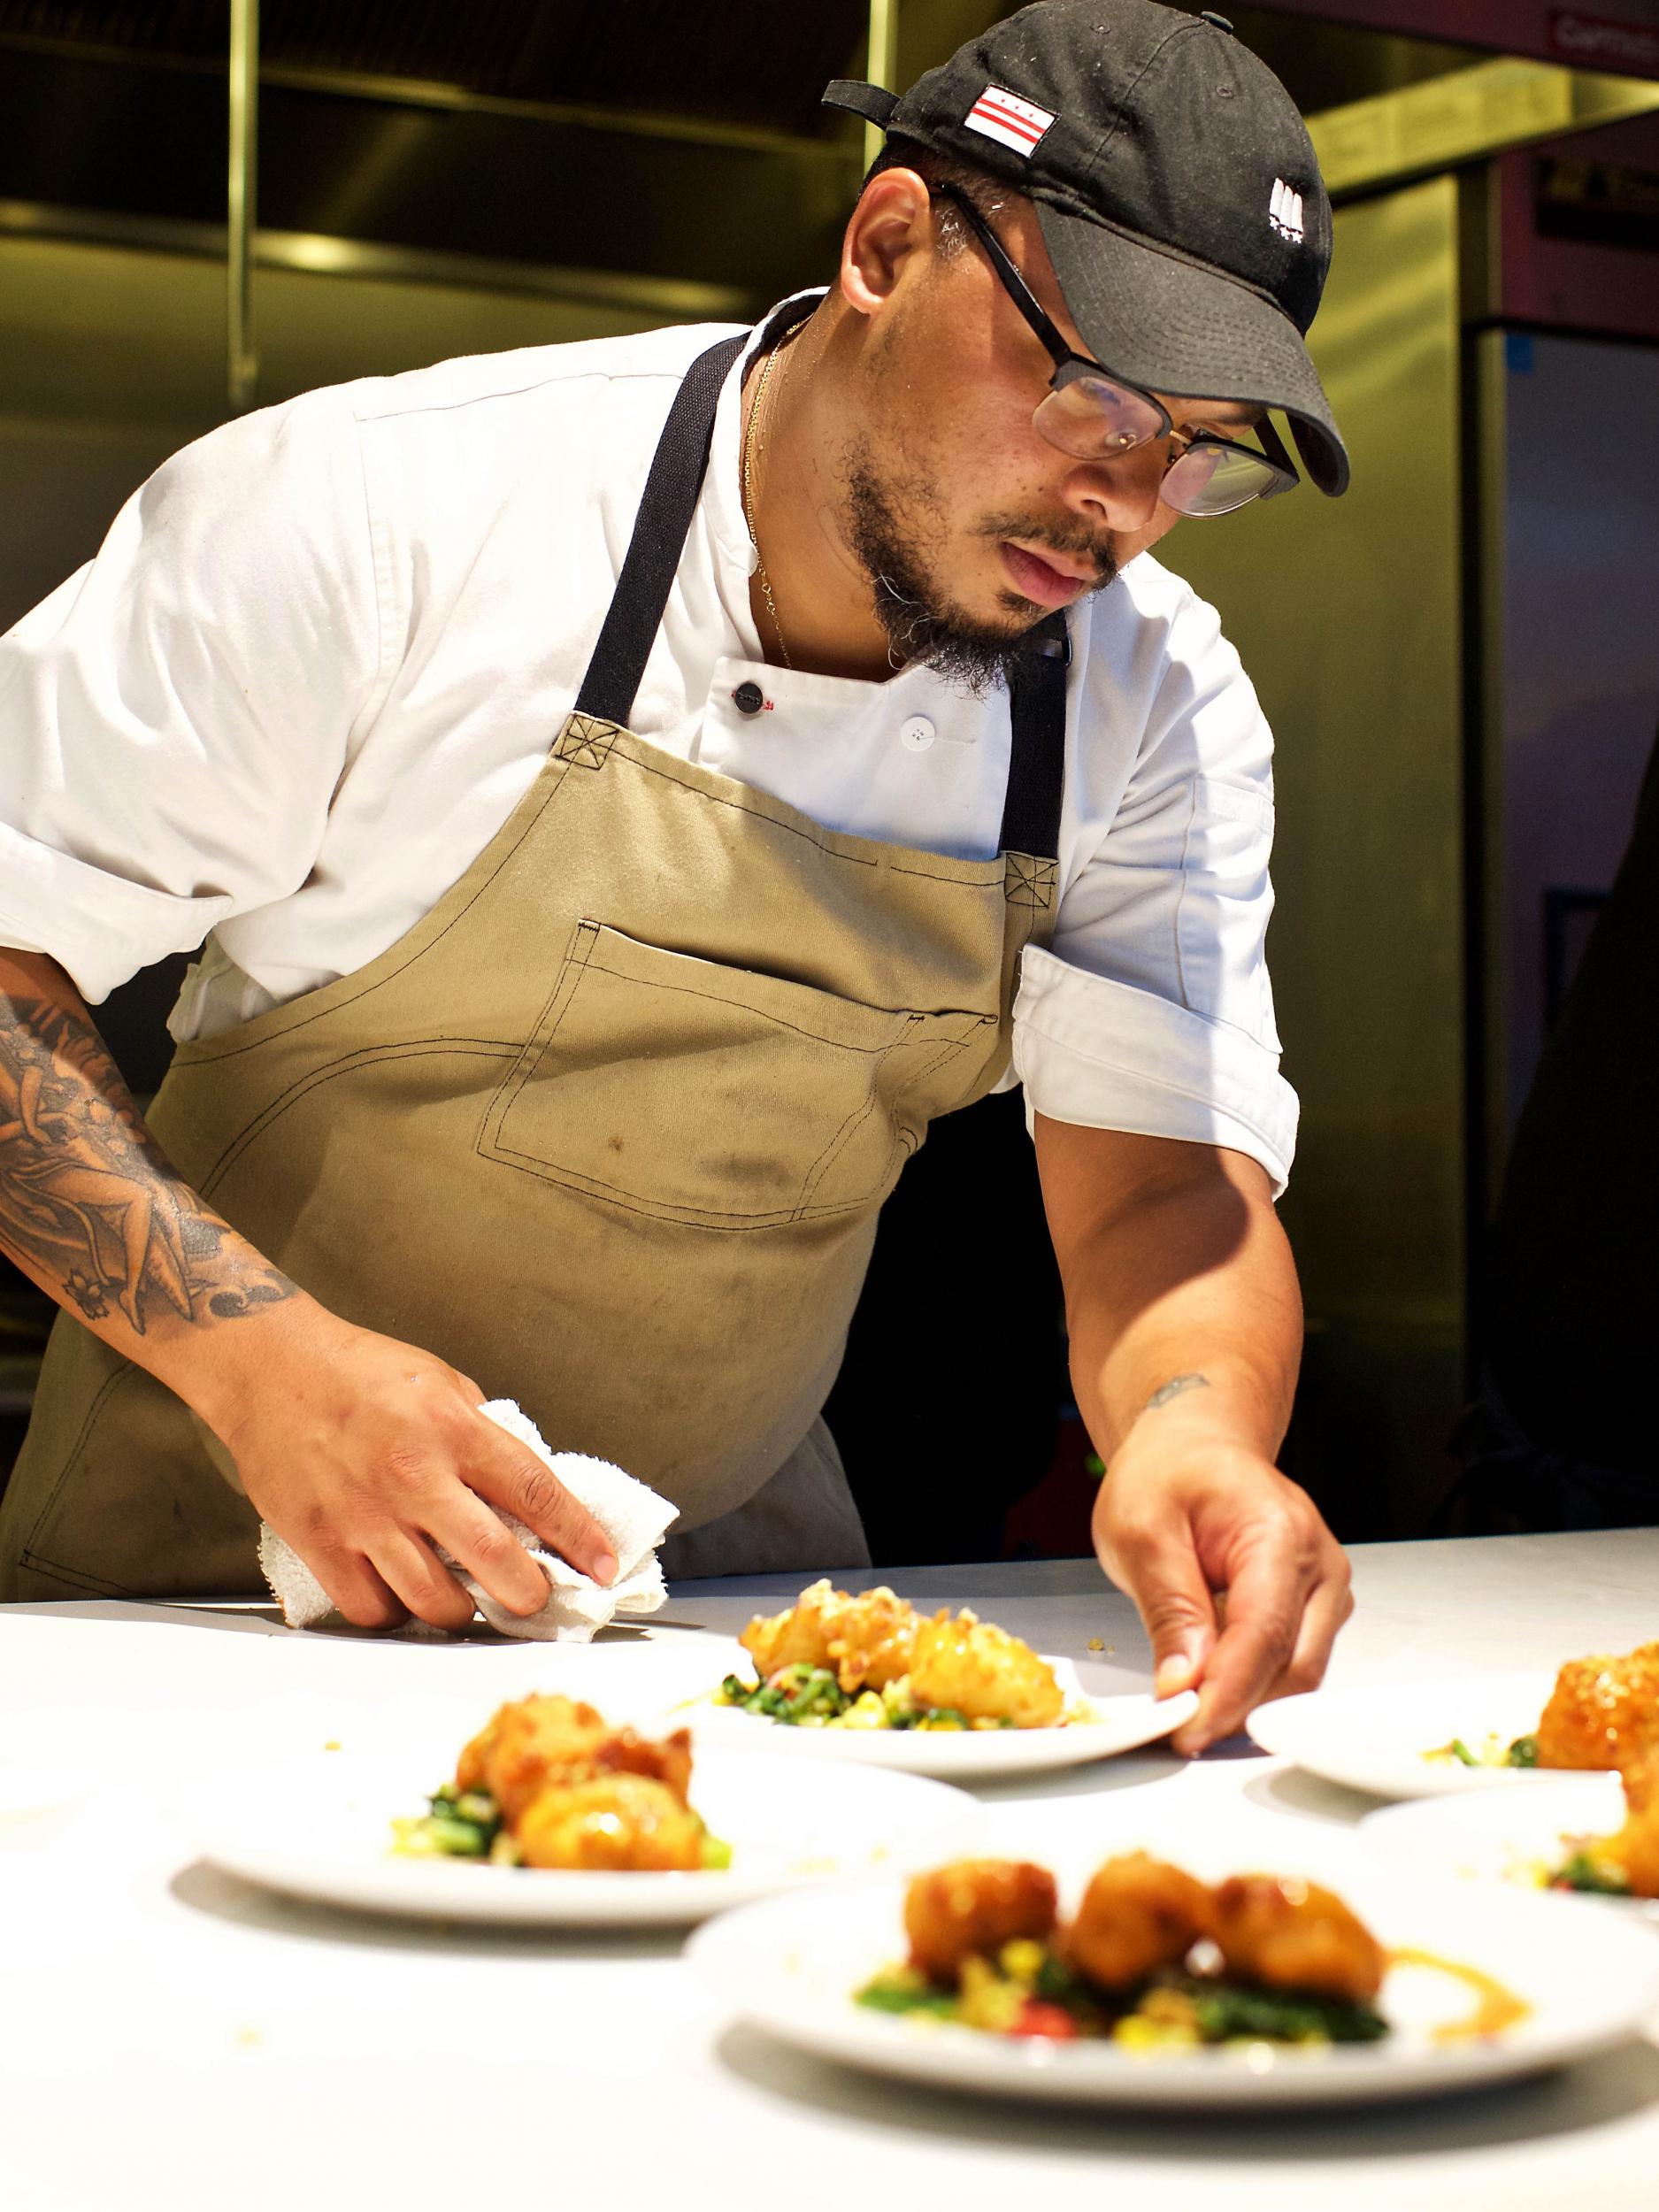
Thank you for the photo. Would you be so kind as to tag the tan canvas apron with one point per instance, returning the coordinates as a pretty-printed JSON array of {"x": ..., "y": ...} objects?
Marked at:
[{"x": 608, "y": 1130}]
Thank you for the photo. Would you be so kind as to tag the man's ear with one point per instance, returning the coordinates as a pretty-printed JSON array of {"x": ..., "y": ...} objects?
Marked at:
[{"x": 892, "y": 221}]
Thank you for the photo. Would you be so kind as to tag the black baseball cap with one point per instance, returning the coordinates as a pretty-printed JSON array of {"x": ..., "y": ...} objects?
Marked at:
[{"x": 1177, "y": 186}]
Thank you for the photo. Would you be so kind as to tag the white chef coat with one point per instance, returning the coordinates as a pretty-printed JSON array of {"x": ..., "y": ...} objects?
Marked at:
[{"x": 323, "y": 652}]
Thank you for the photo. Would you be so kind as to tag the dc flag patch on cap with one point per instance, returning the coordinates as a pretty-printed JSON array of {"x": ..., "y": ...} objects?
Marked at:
[{"x": 1009, "y": 119}]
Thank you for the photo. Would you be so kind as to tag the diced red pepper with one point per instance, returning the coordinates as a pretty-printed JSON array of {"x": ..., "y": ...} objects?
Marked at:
[{"x": 1036, "y": 2017}]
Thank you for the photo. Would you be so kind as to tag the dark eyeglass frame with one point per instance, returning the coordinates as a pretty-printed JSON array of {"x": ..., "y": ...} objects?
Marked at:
[{"x": 1070, "y": 366}]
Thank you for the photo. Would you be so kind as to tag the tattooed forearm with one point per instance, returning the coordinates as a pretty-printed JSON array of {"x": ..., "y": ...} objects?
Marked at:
[
  {"x": 88, "y": 1202},
  {"x": 1173, "y": 1388}
]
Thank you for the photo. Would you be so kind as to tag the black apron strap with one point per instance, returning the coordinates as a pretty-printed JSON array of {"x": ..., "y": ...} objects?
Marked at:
[
  {"x": 1036, "y": 768},
  {"x": 669, "y": 502}
]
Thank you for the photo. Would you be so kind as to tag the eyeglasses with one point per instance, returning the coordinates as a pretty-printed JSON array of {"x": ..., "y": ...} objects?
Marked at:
[{"x": 1092, "y": 415}]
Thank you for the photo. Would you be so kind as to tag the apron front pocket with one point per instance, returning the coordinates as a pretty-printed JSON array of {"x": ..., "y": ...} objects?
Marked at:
[{"x": 718, "y": 1096}]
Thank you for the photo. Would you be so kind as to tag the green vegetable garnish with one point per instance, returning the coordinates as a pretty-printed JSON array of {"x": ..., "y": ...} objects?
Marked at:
[
  {"x": 1521, "y": 1753},
  {"x": 461, "y": 1824},
  {"x": 902, "y": 1989},
  {"x": 1594, "y": 1878},
  {"x": 1229, "y": 2010}
]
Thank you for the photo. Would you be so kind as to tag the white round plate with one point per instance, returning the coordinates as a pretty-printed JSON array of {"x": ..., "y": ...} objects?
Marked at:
[
  {"x": 1378, "y": 1738},
  {"x": 980, "y": 1754},
  {"x": 322, "y": 1830},
  {"x": 791, "y": 1965},
  {"x": 1508, "y": 1835}
]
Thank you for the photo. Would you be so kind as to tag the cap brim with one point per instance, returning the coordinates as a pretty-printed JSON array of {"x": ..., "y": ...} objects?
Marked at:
[{"x": 1175, "y": 327}]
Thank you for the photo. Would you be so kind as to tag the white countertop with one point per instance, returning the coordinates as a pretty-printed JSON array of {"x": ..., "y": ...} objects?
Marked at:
[{"x": 170, "y": 2038}]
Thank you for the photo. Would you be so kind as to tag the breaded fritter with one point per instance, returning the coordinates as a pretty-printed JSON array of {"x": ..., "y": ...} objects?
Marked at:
[
  {"x": 973, "y": 1907},
  {"x": 798, "y": 1636},
  {"x": 1635, "y": 1848},
  {"x": 523, "y": 1746},
  {"x": 1603, "y": 1712},
  {"x": 619, "y": 1823},
  {"x": 1137, "y": 1914},
  {"x": 983, "y": 1672},
  {"x": 864, "y": 1640},
  {"x": 542, "y": 1742},
  {"x": 872, "y": 1640},
  {"x": 1292, "y": 1935}
]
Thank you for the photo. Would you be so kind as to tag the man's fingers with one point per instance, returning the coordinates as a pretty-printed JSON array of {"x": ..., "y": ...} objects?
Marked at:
[
  {"x": 1329, "y": 1607},
  {"x": 515, "y": 1480},
  {"x": 485, "y": 1549},
  {"x": 1160, "y": 1570},
  {"x": 1265, "y": 1602},
  {"x": 354, "y": 1588},
  {"x": 413, "y": 1570}
]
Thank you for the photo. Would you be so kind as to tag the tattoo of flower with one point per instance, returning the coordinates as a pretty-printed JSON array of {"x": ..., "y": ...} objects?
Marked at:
[{"x": 88, "y": 1294}]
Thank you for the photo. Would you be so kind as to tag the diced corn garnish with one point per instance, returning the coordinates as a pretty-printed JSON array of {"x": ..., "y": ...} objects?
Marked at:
[
  {"x": 1136, "y": 2032},
  {"x": 1021, "y": 1960},
  {"x": 866, "y": 1711},
  {"x": 988, "y": 2001}
]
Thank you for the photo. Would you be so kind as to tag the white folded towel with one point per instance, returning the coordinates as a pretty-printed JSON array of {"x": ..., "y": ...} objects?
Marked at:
[{"x": 633, "y": 1516}]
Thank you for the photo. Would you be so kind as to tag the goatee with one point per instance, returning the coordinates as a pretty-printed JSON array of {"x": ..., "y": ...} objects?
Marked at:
[{"x": 888, "y": 525}]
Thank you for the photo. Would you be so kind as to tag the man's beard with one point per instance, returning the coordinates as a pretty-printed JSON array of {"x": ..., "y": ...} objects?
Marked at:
[{"x": 888, "y": 526}]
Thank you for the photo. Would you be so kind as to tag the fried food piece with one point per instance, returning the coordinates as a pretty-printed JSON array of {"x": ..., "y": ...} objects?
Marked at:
[
  {"x": 798, "y": 1636},
  {"x": 1635, "y": 1848},
  {"x": 618, "y": 1823},
  {"x": 983, "y": 1672},
  {"x": 865, "y": 1639},
  {"x": 1136, "y": 1915},
  {"x": 523, "y": 1746},
  {"x": 1292, "y": 1935},
  {"x": 666, "y": 1760},
  {"x": 1603, "y": 1712},
  {"x": 872, "y": 1640},
  {"x": 972, "y": 1907},
  {"x": 540, "y": 1742}
]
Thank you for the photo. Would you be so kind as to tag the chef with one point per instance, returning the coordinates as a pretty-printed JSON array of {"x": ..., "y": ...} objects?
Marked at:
[{"x": 627, "y": 790}]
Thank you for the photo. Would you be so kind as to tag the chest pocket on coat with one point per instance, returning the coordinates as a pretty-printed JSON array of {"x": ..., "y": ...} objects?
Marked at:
[{"x": 723, "y": 1098}]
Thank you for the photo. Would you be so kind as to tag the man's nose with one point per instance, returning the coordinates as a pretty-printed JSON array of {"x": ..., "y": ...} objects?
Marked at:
[{"x": 1120, "y": 495}]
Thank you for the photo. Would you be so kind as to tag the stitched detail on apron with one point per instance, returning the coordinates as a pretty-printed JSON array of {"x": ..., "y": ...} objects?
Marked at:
[
  {"x": 522, "y": 1129},
  {"x": 843, "y": 1136},
  {"x": 73, "y": 1578},
  {"x": 586, "y": 741},
  {"x": 904, "y": 1137},
  {"x": 1030, "y": 883},
  {"x": 803, "y": 830},
  {"x": 345, "y": 1063}
]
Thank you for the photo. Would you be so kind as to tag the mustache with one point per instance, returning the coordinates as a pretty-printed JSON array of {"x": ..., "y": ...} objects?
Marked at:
[{"x": 1073, "y": 541}]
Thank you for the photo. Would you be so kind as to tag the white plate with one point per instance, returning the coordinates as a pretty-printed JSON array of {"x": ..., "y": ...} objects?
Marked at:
[
  {"x": 791, "y": 1964},
  {"x": 1120, "y": 1723},
  {"x": 1504, "y": 1835},
  {"x": 322, "y": 1829},
  {"x": 1376, "y": 1738}
]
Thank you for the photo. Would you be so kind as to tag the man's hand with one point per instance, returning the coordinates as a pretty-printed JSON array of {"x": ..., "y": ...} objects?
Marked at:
[
  {"x": 1240, "y": 1585},
  {"x": 364, "y": 1454}
]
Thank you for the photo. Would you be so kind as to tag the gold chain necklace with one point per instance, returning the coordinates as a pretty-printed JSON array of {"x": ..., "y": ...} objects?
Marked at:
[{"x": 749, "y": 502}]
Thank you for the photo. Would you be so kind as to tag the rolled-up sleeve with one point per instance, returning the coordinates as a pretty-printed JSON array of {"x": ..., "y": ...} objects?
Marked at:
[
  {"x": 174, "y": 718},
  {"x": 1153, "y": 1012}
]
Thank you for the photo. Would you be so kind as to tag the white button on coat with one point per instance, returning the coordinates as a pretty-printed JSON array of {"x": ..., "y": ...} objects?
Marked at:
[{"x": 918, "y": 734}]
